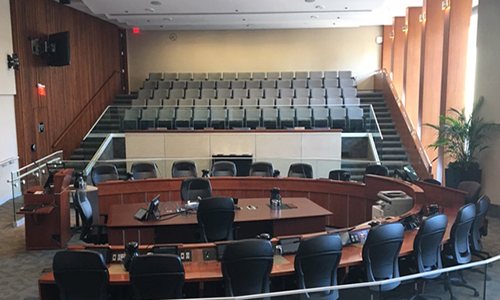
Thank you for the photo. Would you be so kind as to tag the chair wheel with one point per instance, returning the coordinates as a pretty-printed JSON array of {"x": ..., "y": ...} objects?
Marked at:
[{"x": 476, "y": 294}]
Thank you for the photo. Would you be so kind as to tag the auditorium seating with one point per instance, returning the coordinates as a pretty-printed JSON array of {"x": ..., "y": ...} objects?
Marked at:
[{"x": 245, "y": 99}]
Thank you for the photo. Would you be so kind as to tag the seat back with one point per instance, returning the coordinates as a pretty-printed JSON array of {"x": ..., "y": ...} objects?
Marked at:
[
  {"x": 459, "y": 234},
  {"x": 316, "y": 264},
  {"x": 81, "y": 275},
  {"x": 427, "y": 244},
  {"x": 157, "y": 276},
  {"x": 184, "y": 168},
  {"x": 262, "y": 169},
  {"x": 142, "y": 170},
  {"x": 482, "y": 207},
  {"x": 380, "y": 170},
  {"x": 224, "y": 168},
  {"x": 215, "y": 219},
  {"x": 103, "y": 173},
  {"x": 195, "y": 188},
  {"x": 380, "y": 253},
  {"x": 472, "y": 188},
  {"x": 84, "y": 210},
  {"x": 246, "y": 266},
  {"x": 300, "y": 170},
  {"x": 342, "y": 175}
]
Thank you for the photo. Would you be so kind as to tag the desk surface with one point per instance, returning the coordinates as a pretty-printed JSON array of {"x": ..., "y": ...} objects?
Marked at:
[{"x": 123, "y": 215}]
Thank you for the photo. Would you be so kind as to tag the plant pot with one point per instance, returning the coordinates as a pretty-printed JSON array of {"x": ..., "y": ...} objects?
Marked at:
[{"x": 454, "y": 176}]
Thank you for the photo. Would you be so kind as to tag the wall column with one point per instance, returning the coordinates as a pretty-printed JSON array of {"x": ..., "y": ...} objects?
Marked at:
[
  {"x": 411, "y": 79},
  {"x": 398, "y": 49},
  {"x": 431, "y": 75}
]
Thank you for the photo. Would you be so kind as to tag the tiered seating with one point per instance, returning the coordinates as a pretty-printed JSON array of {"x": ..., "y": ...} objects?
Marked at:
[{"x": 245, "y": 99}]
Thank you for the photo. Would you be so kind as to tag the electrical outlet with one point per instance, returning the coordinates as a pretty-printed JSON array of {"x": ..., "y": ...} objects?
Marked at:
[
  {"x": 185, "y": 255},
  {"x": 209, "y": 254}
]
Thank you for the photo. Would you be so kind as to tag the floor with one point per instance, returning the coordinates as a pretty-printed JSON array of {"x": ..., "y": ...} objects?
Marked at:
[{"x": 20, "y": 269}]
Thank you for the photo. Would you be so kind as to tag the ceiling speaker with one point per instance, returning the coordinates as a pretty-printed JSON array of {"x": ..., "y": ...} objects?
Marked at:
[{"x": 65, "y": 1}]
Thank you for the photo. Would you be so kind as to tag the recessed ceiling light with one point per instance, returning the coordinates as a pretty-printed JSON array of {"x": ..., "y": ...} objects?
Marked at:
[
  {"x": 320, "y": 7},
  {"x": 333, "y": 24},
  {"x": 314, "y": 17},
  {"x": 155, "y": 2},
  {"x": 167, "y": 19},
  {"x": 149, "y": 9},
  {"x": 310, "y": 1},
  {"x": 126, "y": 11}
]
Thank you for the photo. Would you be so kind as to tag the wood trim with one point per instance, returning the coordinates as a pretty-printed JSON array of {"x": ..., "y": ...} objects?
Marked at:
[{"x": 409, "y": 137}]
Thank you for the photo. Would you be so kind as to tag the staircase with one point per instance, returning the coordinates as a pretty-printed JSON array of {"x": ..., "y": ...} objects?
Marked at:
[
  {"x": 391, "y": 151},
  {"x": 109, "y": 123}
]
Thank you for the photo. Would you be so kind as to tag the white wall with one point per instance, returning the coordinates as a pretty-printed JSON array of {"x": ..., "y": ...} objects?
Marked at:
[
  {"x": 487, "y": 75},
  {"x": 8, "y": 141},
  {"x": 256, "y": 50}
]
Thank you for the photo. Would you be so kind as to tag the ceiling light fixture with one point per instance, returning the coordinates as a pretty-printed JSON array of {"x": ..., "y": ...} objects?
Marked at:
[
  {"x": 314, "y": 17},
  {"x": 149, "y": 9},
  {"x": 310, "y": 1},
  {"x": 155, "y": 3},
  {"x": 320, "y": 7}
]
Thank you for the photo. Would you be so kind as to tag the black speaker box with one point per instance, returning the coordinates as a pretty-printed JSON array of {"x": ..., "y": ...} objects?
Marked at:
[{"x": 65, "y": 1}]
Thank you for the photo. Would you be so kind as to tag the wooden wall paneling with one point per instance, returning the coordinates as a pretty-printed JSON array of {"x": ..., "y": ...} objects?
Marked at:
[
  {"x": 95, "y": 57},
  {"x": 398, "y": 54},
  {"x": 431, "y": 74},
  {"x": 456, "y": 38},
  {"x": 356, "y": 211},
  {"x": 338, "y": 205},
  {"x": 411, "y": 79}
]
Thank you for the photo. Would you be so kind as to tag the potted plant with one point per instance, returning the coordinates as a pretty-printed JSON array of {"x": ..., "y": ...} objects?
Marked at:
[{"x": 463, "y": 137}]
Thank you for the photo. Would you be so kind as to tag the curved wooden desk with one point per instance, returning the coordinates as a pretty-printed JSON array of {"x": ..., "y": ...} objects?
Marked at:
[{"x": 336, "y": 196}]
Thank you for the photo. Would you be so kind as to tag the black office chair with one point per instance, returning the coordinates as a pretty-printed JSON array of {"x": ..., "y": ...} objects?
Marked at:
[
  {"x": 375, "y": 169},
  {"x": 103, "y": 173},
  {"x": 90, "y": 233},
  {"x": 184, "y": 168},
  {"x": 195, "y": 188},
  {"x": 215, "y": 218},
  {"x": 427, "y": 249},
  {"x": 472, "y": 188},
  {"x": 300, "y": 170},
  {"x": 316, "y": 263},
  {"x": 480, "y": 228},
  {"x": 380, "y": 254},
  {"x": 81, "y": 275},
  {"x": 262, "y": 169},
  {"x": 224, "y": 168},
  {"x": 157, "y": 276},
  {"x": 341, "y": 175},
  {"x": 457, "y": 251},
  {"x": 432, "y": 181},
  {"x": 143, "y": 170},
  {"x": 246, "y": 266}
]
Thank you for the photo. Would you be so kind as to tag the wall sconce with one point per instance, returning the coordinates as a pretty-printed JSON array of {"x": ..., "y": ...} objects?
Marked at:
[
  {"x": 445, "y": 4},
  {"x": 405, "y": 28},
  {"x": 391, "y": 35},
  {"x": 421, "y": 17}
]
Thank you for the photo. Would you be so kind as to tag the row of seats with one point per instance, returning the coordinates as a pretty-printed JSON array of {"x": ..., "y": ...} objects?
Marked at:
[
  {"x": 249, "y": 84},
  {"x": 227, "y": 76},
  {"x": 176, "y": 93},
  {"x": 247, "y": 102},
  {"x": 350, "y": 118},
  {"x": 246, "y": 264}
]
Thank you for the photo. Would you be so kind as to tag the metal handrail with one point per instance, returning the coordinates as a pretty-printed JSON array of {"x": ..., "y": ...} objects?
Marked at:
[{"x": 100, "y": 151}]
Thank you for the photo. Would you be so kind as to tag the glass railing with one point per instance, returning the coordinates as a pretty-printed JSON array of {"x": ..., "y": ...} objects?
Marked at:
[{"x": 34, "y": 174}]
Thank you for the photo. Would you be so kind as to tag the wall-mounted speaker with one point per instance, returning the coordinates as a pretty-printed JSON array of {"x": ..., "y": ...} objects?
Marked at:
[{"x": 65, "y": 1}]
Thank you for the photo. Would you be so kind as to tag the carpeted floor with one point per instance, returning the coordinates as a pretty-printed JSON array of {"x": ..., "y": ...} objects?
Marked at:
[{"x": 20, "y": 269}]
